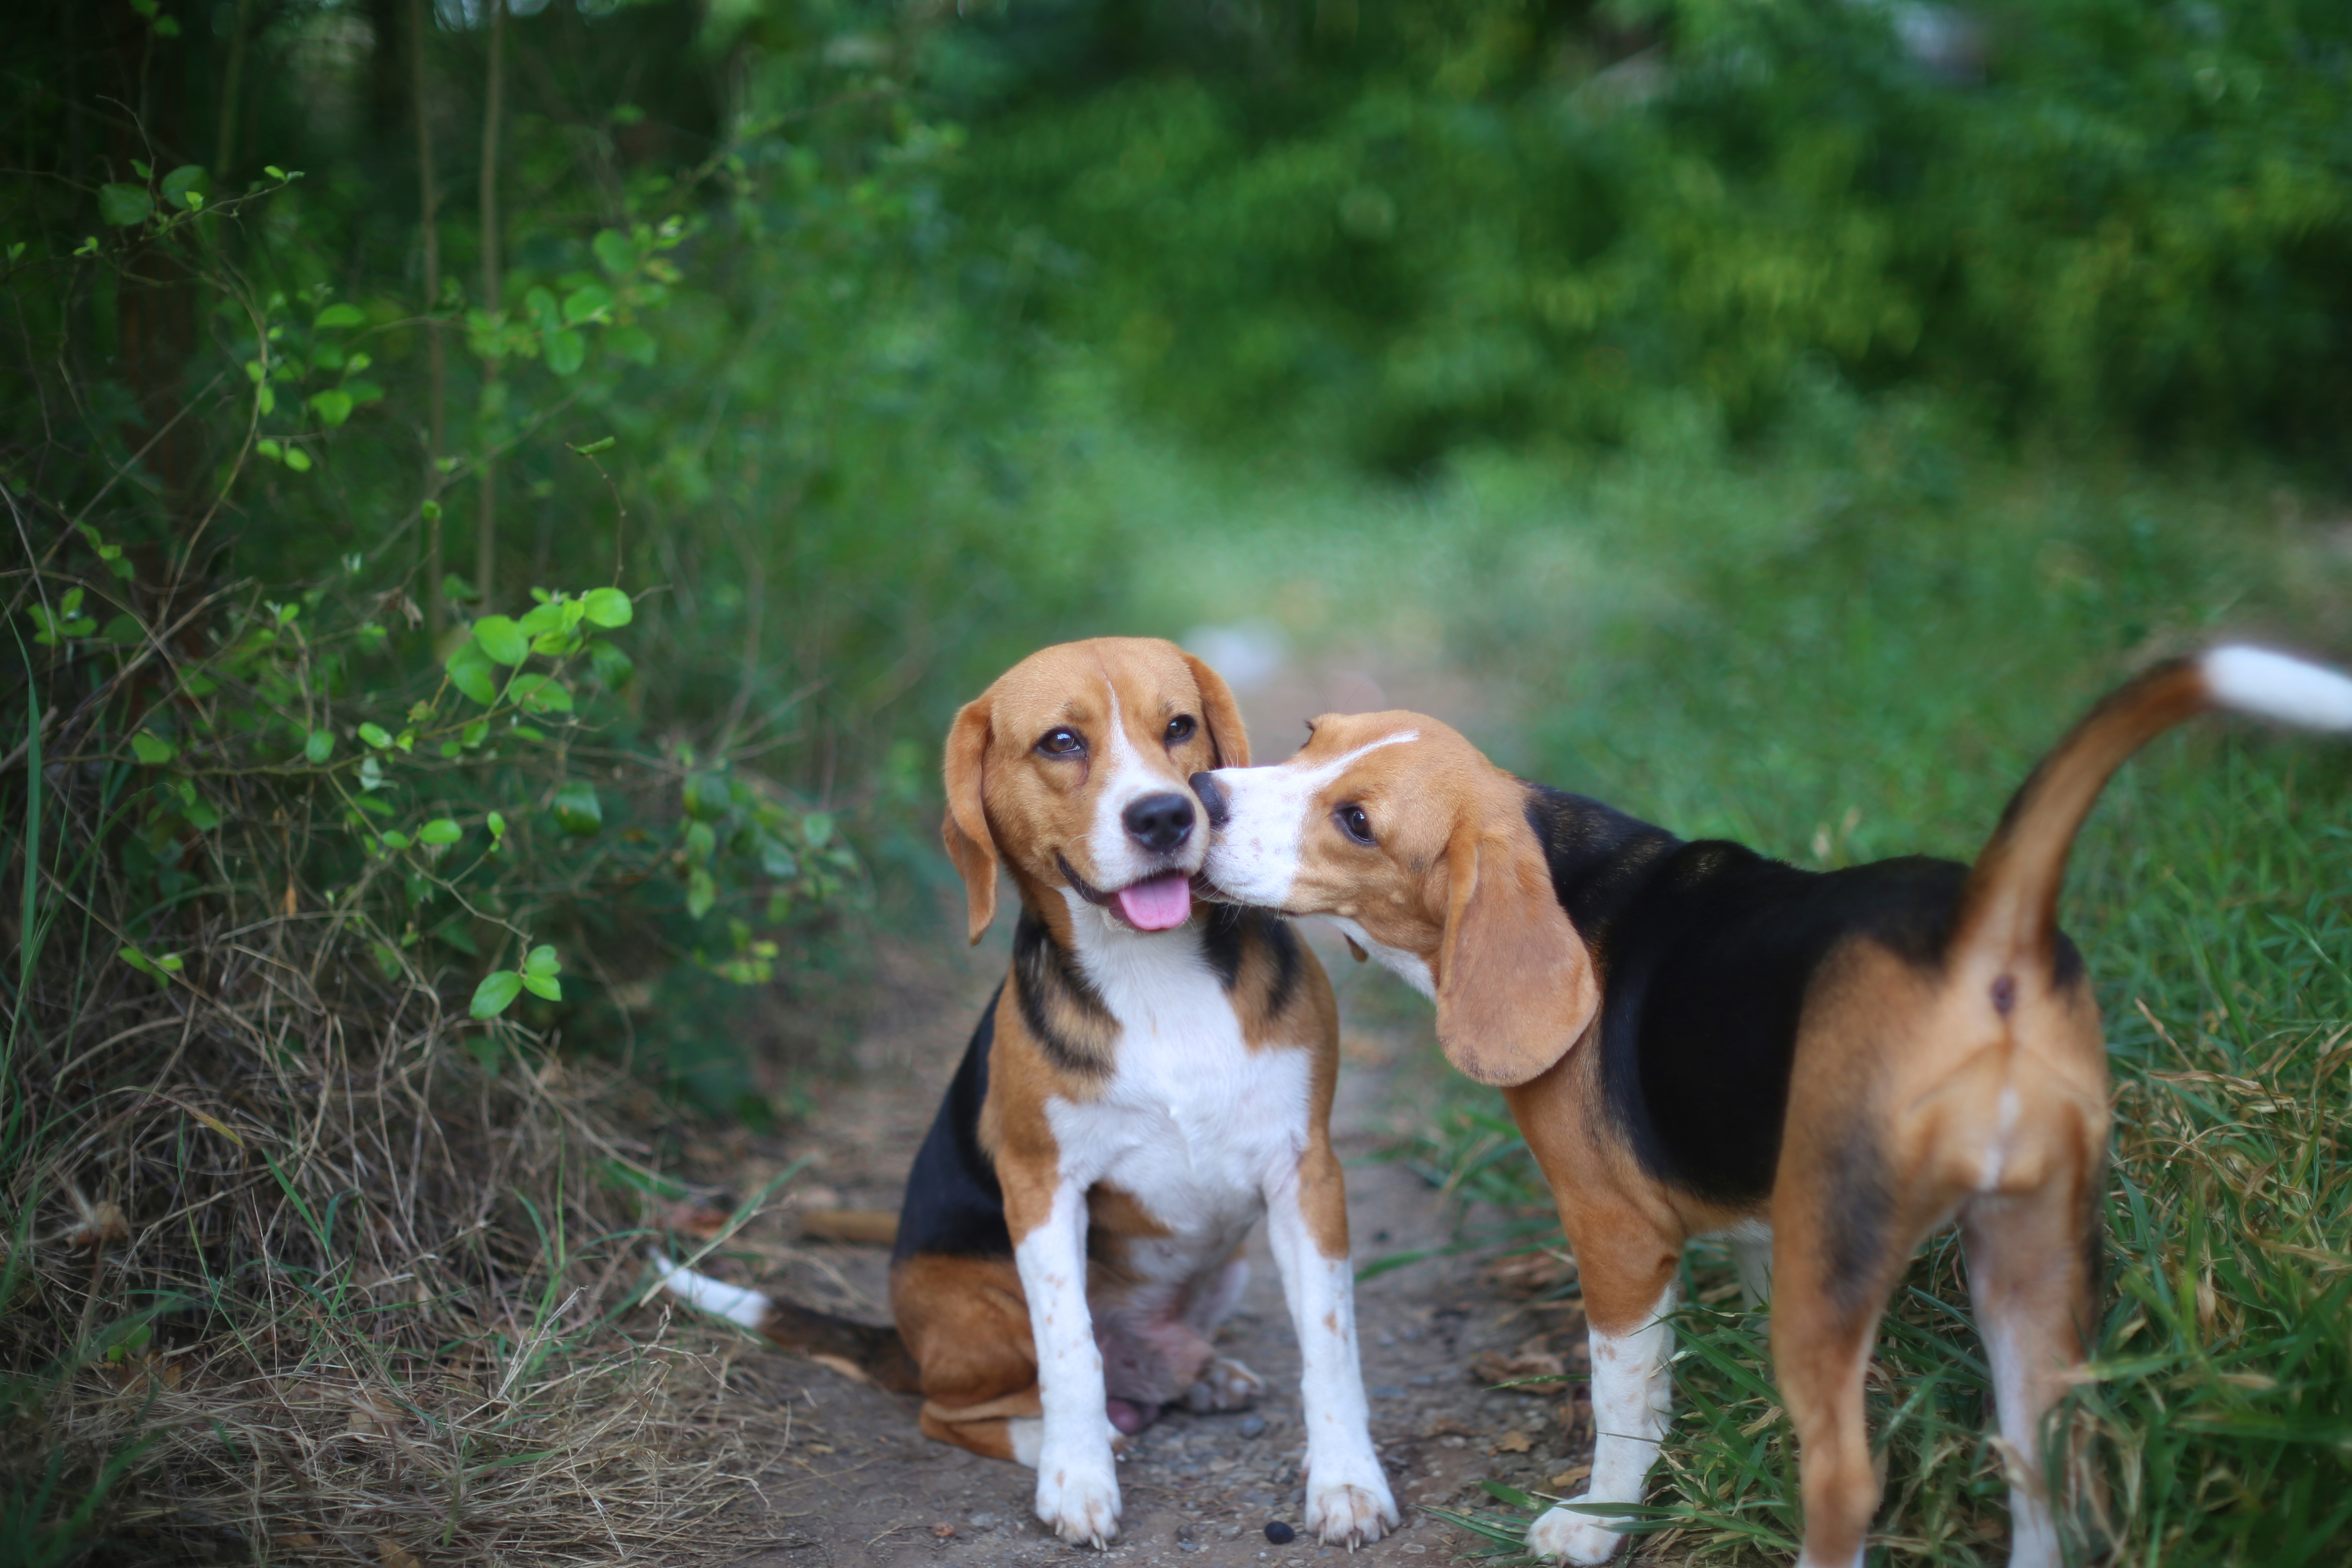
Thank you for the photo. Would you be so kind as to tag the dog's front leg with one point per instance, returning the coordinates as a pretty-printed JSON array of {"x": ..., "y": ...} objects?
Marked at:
[
  {"x": 1348, "y": 1497},
  {"x": 1633, "y": 1394},
  {"x": 1078, "y": 1481}
]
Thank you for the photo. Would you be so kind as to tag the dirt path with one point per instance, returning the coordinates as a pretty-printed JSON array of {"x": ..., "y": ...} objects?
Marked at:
[{"x": 856, "y": 1486}]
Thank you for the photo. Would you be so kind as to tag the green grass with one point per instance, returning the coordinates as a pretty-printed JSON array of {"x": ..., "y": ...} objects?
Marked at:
[{"x": 1855, "y": 645}]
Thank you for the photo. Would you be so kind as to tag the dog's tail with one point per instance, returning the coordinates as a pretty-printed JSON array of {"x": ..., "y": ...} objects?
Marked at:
[
  {"x": 870, "y": 1351},
  {"x": 2008, "y": 910}
]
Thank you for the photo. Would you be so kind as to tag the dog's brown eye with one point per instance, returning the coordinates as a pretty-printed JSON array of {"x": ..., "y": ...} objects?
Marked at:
[
  {"x": 1061, "y": 744},
  {"x": 1179, "y": 729},
  {"x": 1354, "y": 822}
]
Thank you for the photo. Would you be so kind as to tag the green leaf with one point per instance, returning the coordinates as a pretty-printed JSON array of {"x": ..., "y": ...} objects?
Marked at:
[
  {"x": 610, "y": 666},
  {"x": 340, "y": 316},
  {"x": 334, "y": 407},
  {"x": 320, "y": 745},
  {"x": 152, "y": 750},
  {"x": 363, "y": 390},
  {"x": 496, "y": 823},
  {"x": 542, "y": 306},
  {"x": 577, "y": 810},
  {"x": 543, "y": 960},
  {"x": 1511, "y": 1494},
  {"x": 614, "y": 253},
  {"x": 471, "y": 672},
  {"x": 123, "y": 630},
  {"x": 395, "y": 839},
  {"x": 440, "y": 830},
  {"x": 375, "y": 735},
  {"x": 545, "y": 985},
  {"x": 587, "y": 302},
  {"x": 124, "y": 205},
  {"x": 608, "y": 607},
  {"x": 541, "y": 619},
  {"x": 296, "y": 458},
  {"x": 186, "y": 186},
  {"x": 632, "y": 343},
  {"x": 501, "y": 639},
  {"x": 496, "y": 994},
  {"x": 706, "y": 795},
  {"x": 701, "y": 892},
  {"x": 144, "y": 965},
  {"x": 594, "y": 447},
  {"x": 566, "y": 351},
  {"x": 543, "y": 694}
]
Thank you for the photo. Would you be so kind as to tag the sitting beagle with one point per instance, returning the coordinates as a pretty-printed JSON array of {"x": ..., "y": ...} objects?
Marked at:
[
  {"x": 1150, "y": 1078},
  {"x": 1834, "y": 1062}
]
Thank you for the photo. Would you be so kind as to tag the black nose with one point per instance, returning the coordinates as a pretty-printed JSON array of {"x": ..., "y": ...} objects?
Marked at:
[
  {"x": 1158, "y": 822},
  {"x": 1213, "y": 799}
]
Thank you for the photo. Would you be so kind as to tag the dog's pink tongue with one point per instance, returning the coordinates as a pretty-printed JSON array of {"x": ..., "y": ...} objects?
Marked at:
[{"x": 1159, "y": 904}]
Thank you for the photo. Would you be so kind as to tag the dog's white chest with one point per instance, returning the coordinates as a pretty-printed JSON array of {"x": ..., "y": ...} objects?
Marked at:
[{"x": 1193, "y": 1121}]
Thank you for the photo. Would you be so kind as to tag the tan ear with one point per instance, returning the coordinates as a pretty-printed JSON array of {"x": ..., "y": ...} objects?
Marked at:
[
  {"x": 965, "y": 829},
  {"x": 1227, "y": 738},
  {"x": 1515, "y": 984}
]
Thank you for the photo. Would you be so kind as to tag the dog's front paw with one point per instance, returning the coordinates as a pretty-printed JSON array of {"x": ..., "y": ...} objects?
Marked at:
[
  {"x": 1348, "y": 1502},
  {"x": 1223, "y": 1385},
  {"x": 1079, "y": 1497},
  {"x": 1560, "y": 1536}
]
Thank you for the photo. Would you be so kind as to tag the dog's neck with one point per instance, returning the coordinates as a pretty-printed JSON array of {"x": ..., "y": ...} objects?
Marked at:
[
  {"x": 1071, "y": 958},
  {"x": 1599, "y": 857}
]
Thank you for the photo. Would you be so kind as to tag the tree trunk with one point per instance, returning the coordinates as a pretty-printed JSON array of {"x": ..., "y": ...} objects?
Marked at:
[
  {"x": 487, "y": 541},
  {"x": 436, "y": 391}
]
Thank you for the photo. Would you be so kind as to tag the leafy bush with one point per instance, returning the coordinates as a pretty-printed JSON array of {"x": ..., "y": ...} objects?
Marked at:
[{"x": 1406, "y": 229}]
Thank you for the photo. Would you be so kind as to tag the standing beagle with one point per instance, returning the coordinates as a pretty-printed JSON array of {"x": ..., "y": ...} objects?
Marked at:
[
  {"x": 1150, "y": 1079},
  {"x": 1836, "y": 1062}
]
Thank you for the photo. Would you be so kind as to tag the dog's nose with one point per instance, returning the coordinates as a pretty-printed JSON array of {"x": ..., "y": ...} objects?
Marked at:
[
  {"x": 1158, "y": 822},
  {"x": 1212, "y": 798}
]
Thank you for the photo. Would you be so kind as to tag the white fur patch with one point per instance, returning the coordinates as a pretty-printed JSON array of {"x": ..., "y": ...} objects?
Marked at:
[
  {"x": 1633, "y": 1392},
  {"x": 1256, "y": 856},
  {"x": 703, "y": 1293},
  {"x": 1203, "y": 1131},
  {"x": 2274, "y": 686},
  {"x": 1409, "y": 967},
  {"x": 1166, "y": 1126},
  {"x": 1118, "y": 859}
]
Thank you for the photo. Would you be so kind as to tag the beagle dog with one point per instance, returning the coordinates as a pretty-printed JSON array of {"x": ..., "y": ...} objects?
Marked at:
[
  {"x": 1696, "y": 1040},
  {"x": 1152, "y": 1076}
]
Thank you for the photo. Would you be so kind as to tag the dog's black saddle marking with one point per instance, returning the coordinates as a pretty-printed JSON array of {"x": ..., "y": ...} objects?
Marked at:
[
  {"x": 954, "y": 1204},
  {"x": 1706, "y": 951}
]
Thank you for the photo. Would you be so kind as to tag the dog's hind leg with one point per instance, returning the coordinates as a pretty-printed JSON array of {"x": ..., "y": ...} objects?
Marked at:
[
  {"x": 2030, "y": 1271},
  {"x": 1836, "y": 1258}
]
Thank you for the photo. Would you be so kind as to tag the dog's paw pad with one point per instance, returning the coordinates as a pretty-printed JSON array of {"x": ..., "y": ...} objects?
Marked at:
[
  {"x": 1223, "y": 1385},
  {"x": 1079, "y": 1502},
  {"x": 1560, "y": 1536},
  {"x": 1342, "y": 1515}
]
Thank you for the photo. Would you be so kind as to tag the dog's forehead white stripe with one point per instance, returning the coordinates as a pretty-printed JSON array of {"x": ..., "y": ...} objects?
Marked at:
[{"x": 1324, "y": 773}]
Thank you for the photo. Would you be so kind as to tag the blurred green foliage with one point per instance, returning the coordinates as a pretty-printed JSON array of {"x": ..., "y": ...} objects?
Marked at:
[{"x": 1400, "y": 228}]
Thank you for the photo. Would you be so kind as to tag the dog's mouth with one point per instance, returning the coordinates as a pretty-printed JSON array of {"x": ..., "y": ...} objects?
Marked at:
[{"x": 1156, "y": 903}]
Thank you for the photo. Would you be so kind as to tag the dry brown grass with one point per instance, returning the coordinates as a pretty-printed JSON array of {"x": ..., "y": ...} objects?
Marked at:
[{"x": 322, "y": 1286}]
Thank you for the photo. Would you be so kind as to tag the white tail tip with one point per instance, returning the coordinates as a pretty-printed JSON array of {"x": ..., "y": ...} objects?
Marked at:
[
  {"x": 2274, "y": 686},
  {"x": 716, "y": 1297}
]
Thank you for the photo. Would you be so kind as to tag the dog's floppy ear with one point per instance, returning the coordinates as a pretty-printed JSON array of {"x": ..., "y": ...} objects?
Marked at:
[
  {"x": 1515, "y": 983},
  {"x": 1227, "y": 738},
  {"x": 965, "y": 830}
]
